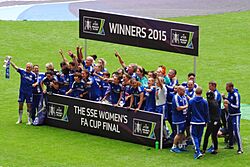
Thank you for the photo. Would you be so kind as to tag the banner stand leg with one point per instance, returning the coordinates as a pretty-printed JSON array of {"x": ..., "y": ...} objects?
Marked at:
[
  {"x": 85, "y": 48},
  {"x": 161, "y": 136},
  {"x": 195, "y": 65}
]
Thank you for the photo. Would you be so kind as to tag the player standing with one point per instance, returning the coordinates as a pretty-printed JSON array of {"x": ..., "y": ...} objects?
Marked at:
[
  {"x": 233, "y": 105},
  {"x": 179, "y": 110},
  {"x": 25, "y": 91},
  {"x": 198, "y": 108}
]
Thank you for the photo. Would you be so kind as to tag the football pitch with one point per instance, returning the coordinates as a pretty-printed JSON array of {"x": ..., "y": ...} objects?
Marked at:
[{"x": 223, "y": 56}]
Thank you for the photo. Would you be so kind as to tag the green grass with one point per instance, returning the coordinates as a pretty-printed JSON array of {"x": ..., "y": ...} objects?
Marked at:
[{"x": 224, "y": 56}]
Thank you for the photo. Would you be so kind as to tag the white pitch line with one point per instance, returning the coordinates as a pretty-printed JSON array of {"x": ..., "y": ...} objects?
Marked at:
[
  {"x": 12, "y": 12},
  {"x": 46, "y": 3}
]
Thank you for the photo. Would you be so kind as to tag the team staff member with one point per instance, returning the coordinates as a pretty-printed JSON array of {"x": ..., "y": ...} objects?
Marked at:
[
  {"x": 25, "y": 91},
  {"x": 217, "y": 96},
  {"x": 37, "y": 91},
  {"x": 233, "y": 105},
  {"x": 213, "y": 125},
  {"x": 198, "y": 108},
  {"x": 179, "y": 110},
  {"x": 191, "y": 76}
]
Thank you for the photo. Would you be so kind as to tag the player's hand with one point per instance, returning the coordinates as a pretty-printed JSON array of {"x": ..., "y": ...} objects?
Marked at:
[
  {"x": 70, "y": 53},
  {"x": 34, "y": 85},
  {"x": 61, "y": 52},
  {"x": 223, "y": 96},
  {"x": 116, "y": 54},
  {"x": 44, "y": 91},
  {"x": 137, "y": 109}
]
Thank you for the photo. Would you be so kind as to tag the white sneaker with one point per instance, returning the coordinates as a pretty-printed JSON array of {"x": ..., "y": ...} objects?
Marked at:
[
  {"x": 28, "y": 123},
  {"x": 19, "y": 122}
]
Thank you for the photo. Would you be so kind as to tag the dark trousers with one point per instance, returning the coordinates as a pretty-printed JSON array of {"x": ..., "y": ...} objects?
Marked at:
[
  {"x": 212, "y": 129},
  {"x": 35, "y": 104},
  {"x": 169, "y": 118},
  {"x": 234, "y": 130}
]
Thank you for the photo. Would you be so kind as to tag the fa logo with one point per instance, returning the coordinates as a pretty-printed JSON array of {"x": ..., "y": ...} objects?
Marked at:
[
  {"x": 175, "y": 38},
  {"x": 52, "y": 110},
  {"x": 138, "y": 127},
  {"x": 87, "y": 25}
]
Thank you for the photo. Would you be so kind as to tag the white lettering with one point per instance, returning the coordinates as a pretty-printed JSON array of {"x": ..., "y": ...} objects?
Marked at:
[
  {"x": 110, "y": 127},
  {"x": 79, "y": 110},
  {"x": 84, "y": 122},
  {"x": 113, "y": 117},
  {"x": 95, "y": 124},
  {"x": 91, "y": 112}
]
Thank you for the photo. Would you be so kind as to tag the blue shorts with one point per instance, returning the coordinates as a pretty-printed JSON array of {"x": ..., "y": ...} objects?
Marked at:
[
  {"x": 25, "y": 96},
  {"x": 179, "y": 128},
  {"x": 160, "y": 109}
]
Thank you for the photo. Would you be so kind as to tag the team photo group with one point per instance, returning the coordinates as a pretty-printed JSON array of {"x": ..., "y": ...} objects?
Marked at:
[{"x": 186, "y": 113}]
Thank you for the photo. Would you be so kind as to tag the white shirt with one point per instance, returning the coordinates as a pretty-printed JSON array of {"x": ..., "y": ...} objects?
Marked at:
[{"x": 162, "y": 95}]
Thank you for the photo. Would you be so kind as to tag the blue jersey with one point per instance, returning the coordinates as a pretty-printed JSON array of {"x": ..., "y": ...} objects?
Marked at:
[
  {"x": 136, "y": 92},
  {"x": 64, "y": 83},
  {"x": 133, "y": 75},
  {"x": 114, "y": 91},
  {"x": 27, "y": 79},
  {"x": 94, "y": 90},
  {"x": 127, "y": 90},
  {"x": 170, "y": 88},
  {"x": 179, "y": 116},
  {"x": 190, "y": 93},
  {"x": 89, "y": 68},
  {"x": 104, "y": 88},
  {"x": 234, "y": 103},
  {"x": 150, "y": 100},
  {"x": 105, "y": 70},
  {"x": 47, "y": 83},
  {"x": 185, "y": 84},
  {"x": 217, "y": 97},
  {"x": 38, "y": 89},
  {"x": 78, "y": 88},
  {"x": 98, "y": 80},
  {"x": 198, "y": 109},
  {"x": 126, "y": 93}
]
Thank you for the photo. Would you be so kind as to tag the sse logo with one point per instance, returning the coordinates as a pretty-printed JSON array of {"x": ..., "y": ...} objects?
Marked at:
[
  {"x": 181, "y": 38},
  {"x": 58, "y": 111},
  {"x": 93, "y": 25},
  {"x": 144, "y": 128}
]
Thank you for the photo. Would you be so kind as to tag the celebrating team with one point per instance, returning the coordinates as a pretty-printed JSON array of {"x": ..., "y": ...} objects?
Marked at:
[{"x": 182, "y": 105}]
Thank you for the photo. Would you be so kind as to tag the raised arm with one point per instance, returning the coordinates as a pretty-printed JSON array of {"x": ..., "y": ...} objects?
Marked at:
[
  {"x": 120, "y": 59},
  {"x": 102, "y": 78},
  {"x": 79, "y": 54},
  {"x": 74, "y": 58},
  {"x": 63, "y": 57},
  {"x": 141, "y": 101},
  {"x": 13, "y": 65}
]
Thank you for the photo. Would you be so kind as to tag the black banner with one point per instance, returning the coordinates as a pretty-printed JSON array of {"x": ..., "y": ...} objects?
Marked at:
[
  {"x": 138, "y": 31},
  {"x": 104, "y": 120}
]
